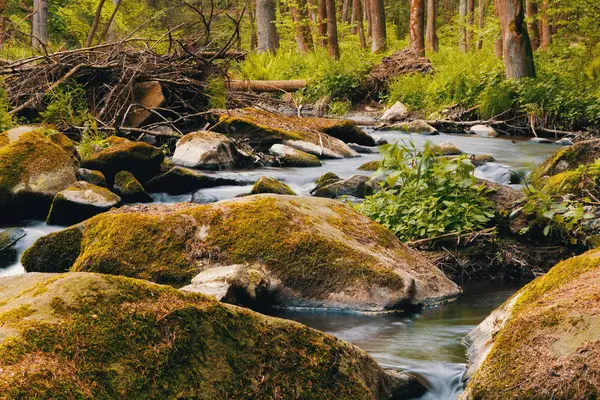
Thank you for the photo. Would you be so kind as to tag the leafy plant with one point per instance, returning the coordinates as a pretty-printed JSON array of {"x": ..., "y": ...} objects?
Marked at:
[
  {"x": 66, "y": 106},
  {"x": 92, "y": 141},
  {"x": 426, "y": 195}
]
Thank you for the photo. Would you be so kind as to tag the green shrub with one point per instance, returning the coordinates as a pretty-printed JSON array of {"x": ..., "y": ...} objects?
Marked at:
[
  {"x": 6, "y": 120},
  {"x": 426, "y": 195},
  {"x": 66, "y": 106},
  {"x": 340, "y": 107},
  {"x": 92, "y": 141}
]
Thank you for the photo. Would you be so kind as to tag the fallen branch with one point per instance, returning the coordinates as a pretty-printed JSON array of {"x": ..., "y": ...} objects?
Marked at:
[
  {"x": 469, "y": 236},
  {"x": 266, "y": 86}
]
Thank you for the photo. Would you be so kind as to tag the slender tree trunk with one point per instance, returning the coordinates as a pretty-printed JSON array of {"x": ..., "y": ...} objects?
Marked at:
[
  {"x": 2, "y": 21},
  {"x": 431, "y": 36},
  {"x": 268, "y": 40},
  {"x": 312, "y": 5},
  {"x": 39, "y": 27},
  {"x": 417, "y": 20},
  {"x": 546, "y": 36},
  {"x": 306, "y": 23},
  {"x": 109, "y": 31},
  {"x": 447, "y": 12},
  {"x": 481, "y": 23},
  {"x": 462, "y": 25},
  {"x": 518, "y": 55},
  {"x": 532, "y": 23},
  {"x": 95, "y": 24},
  {"x": 378, "y": 29},
  {"x": 322, "y": 24},
  {"x": 498, "y": 48},
  {"x": 357, "y": 12},
  {"x": 369, "y": 19},
  {"x": 332, "y": 37},
  {"x": 298, "y": 21},
  {"x": 345, "y": 6},
  {"x": 471, "y": 24}
]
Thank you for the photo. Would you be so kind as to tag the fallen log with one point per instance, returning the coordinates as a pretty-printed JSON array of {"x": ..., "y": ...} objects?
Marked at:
[{"x": 266, "y": 86}]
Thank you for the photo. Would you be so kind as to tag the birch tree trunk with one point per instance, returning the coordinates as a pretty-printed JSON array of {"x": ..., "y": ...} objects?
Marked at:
[
  {"x": 518, "y": 55},
  {"x": 268, "y": 40}
]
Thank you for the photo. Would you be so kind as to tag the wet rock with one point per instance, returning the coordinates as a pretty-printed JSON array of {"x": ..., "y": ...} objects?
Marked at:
[
  {"x": 179, "y": 180},
  {"x": 291, "y": 157},
  {"x": 568, "y": 159},
  {"x": 564, "y": 142},
  {"x": 80, "y": 201},
  {"x": 547, "y": 333},
  {"x": 220, "y": 348},
  {"x": 356, "y": 186},
  {"x": 540, "y": 140},
  {"x": 447, "y": 149},
  {"x": 326, "y": 179},
  {"x": 484, "y": 130},
  {"x": 206, "y": 150},
  {"x": 130, "y": 189},
  {"x": 8, "y": 239},
  {"x": 147, "y": 96},
  {"x": 91, "y": 176},
  {"x": 481, "y": 159},
  {"x": 315, "y": 252},
  {"x": 381, "y": 142},
  {"x": 363, "y": 149},
  {"x": 316, "y": 150},
  {"x": 55, "y": 252},
  {"x": 141, "y": 159},
  {"x": 370, "y": 166},
  {"x": 417, "y": 126},
  {"x": 200, "y": 197},
  {"x": 33, "y": 170},
  {"x": 266, "y": 184},
  {"x": 397, "y": 112}
]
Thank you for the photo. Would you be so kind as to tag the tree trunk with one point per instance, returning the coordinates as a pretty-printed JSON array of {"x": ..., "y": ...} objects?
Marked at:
[
  {"x": 432, "y": 39},
  {"x": 39, "y": 26},
  {"x": 369, "y": 19},
  {"x": 378, "y": 31},
  {"x": 95, "y": 24},
  {"x": 532, "y": 23},
  {"x": 498, "y": 48},
  {"x": 462, "y": 24},
  {"x": 471, "y": 24},
  {"x": 268, "y": 40},
  {"x": 481, "y": 23},
  {"x": 298, "y": 27},
  {"x": 417, "y": 19},
  {"x": 345, "y": 5},
  {"x": 447, "y": 11},
  {"x": 109, "y": 31},
  {"x": 322, "y": 25},
  {"x": 518, "y": 55},
  {"x": 357, "y": 13},
  {"x": 2, "y": 21},
  {"x": 546, "y": 38},
  {"x": 306, "y": 23},
  {"x": 332, "y": 38}
]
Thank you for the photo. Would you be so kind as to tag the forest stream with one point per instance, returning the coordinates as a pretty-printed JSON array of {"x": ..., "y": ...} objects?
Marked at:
[{"x": 428, "y": 344}]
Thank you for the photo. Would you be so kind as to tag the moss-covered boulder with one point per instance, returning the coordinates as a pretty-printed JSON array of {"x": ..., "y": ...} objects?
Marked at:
[
  {"x": 94, "y": 177},
  {"x": 579, "y": 182},
  {"x": 64, "y": 142},
  {"x": 80, "y": 201},
  {"x": 313, "y": 252},
  {"x": 206, "y": 150},
  {"x": 263, "y": 129},
  {"x": 291, "y": 157},
  {"x": 130, "y": 189},
  {"x": 141, "y": 159},
  {"x": 544, "y": 342},
  {"x": 370, "y": 166},
  {"x": 89, "y": 336},
  {"x": 358, "y": 186},
  {"x": 326, "y": 179},
  {"x": 447, "y": 149},
  {"x": 417, "y": 126},
  {"x": 568, "y": 159},
  {"x": 179, "y": 180},
  {"x": 33, "y": 170},
  {"x": 267, "y": 184},
  {"x": 55, "y": 252},
  {"x": 481, "y": 159}
]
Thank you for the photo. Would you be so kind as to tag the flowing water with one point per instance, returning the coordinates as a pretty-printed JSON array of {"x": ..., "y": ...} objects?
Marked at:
[{"x": 429, "y": 343}]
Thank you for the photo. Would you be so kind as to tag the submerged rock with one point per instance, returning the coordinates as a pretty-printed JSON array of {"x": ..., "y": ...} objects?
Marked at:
[
  {"x": 263, "y": 129},
  {"x": 130, "y": 189},
  {"x": 179, "y": 180},
  {"x": 481, "y": 159},
  {"x": 540, "y": 140},
  {"x": 397, "y": 112},
  {"x": 33, "y": 170},
  {"x": 356, "y": 186},
  {"x": 90, "y": 336},
  {"x": 447, "y": 149},
  {"x": 363, "y": 149},
  {"x": 94, "y": 177},
  {"x": 291, "y": 157},
  {"x": 544, "y": 342},
  {"x": 313, "y": 252},
  {"x": 8, "y": 240},
  {"x": 206, "y": 150},
  {"x": 201, "y": 197},
  {"x": 81, "y": 201},
  {"x": 370, "y": 166},
  {"x": 266, "y": 184},
  {"x": 141, "y": 159},
  {"x": 417, "y": 126}
]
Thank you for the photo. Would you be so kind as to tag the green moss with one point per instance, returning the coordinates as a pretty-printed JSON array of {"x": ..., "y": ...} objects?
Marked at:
[
  {"x": 258, "y": 129},
  {"x": 55, "y": 252},
  {"x": 370, "y": 166},
  {"x": 15, "y": 316},
  {"x": 300, "y": 159},
  {"x": 326, "y": 179},
  {"x": 271, "y": 185},
  {"x": 578, "y": 182},
  {"x": 113, "y": 337},
  {"x": 567, "y": 159},
  {"x": 63, "y": 141},
  {"x": 130, "y": 188}
]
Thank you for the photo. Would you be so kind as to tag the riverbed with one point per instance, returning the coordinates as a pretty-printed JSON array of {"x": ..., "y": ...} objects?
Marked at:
[{"x": 428, "y": 344}]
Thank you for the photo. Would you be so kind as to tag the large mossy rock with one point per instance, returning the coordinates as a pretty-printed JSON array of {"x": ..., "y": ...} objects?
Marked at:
[
  {"x": 544, "y": 342},
  {"x": 141, "y": 159},
  {"x": 33, "y": 170},
  {"x": 266, "y": 184},
  {"x": 358, "y": 186},
  {"x": 80, "y": 201},
  {"x": 568, "y": 159},
  {"x": 263, "y": 129},
  {"x": 206, "y": 150},
  {"x": 90, "y": 336},
  {"x": 312, "y": 252},
  {"x": 130, "y": 189},
  {"x": 418, "y": 126}
]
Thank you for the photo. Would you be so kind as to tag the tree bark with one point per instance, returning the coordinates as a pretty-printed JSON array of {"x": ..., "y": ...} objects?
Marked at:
[
  {"x": 39, "y": 27},
  {"x": 2, "y": 21},
  {"x": 332, "y": 38},
  {"x": 546, "y": 36},
  {"x": 369, "y": 19},
  {"x": 298, "y": 27},
  {"x": 431, "y": 36},
  {"x": 518, "y": 55},
  {"x": 470, "y": 24},
  {"x": 481, "y": 23},
  {"x": 462, "y": 25},
  {"x": 94, "y": 28},
  {"x": 268, "y": 40},
  {"x": 345, "y": 6},
  {"x": 322, "y": 24},
  {"x": 417, "y": 20},
  {"x": 532, "y": 23},
  {"x": 378, "y": 29},
  {"x": 109, "y": 31},
  {"x": 357, "y": 13}
]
